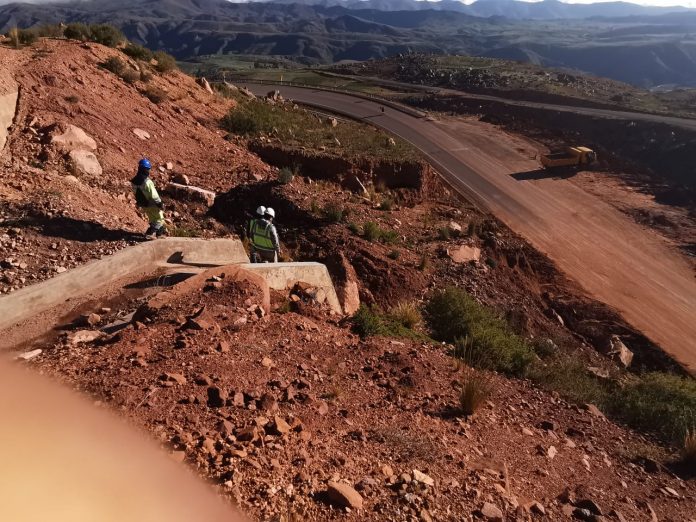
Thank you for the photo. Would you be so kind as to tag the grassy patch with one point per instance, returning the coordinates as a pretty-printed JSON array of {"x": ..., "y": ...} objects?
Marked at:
[
  {"x": 372, "y": 321},
  {"x": 301, "y": 128},
  {"x": 334, "y": 213},
  {"x": 452, "y": 314},
  {"x": 372, "y": 232},
  {"x": 138, "y": 52},
  {"x": 477, "y": 388},
  {"x": 183, "y": 232},
  {"x": 407, "y": 314},
  {"x": 165, "y": 62},
  {"x": 156, "y": 95}
]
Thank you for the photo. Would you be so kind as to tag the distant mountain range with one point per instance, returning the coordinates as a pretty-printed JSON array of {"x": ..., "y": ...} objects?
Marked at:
[
  {"x": 513, "y": 9},
  {"x": 640, "y": 45}
]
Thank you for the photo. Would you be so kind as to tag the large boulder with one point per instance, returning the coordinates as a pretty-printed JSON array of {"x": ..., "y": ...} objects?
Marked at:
[
  {"x": 190, "y": 193},
  {"x": 464, "y": 254},
  {"x": 70, "y": 138},
  {"x": 346, "y": 283},
  {"x": 204, "y": 83},
  {"x": 85, "y": 162},
  {"x": 619, "y": 351}
]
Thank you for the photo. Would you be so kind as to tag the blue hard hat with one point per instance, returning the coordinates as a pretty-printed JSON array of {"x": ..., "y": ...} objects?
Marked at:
[{"x": 145, "y": 164}]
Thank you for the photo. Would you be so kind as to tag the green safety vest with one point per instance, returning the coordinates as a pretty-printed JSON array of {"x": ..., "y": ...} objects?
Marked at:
[{"x": 261, "y": 235}]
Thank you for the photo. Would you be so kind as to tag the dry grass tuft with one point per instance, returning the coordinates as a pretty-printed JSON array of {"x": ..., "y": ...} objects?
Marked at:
[{"x": 477, "y": 388}]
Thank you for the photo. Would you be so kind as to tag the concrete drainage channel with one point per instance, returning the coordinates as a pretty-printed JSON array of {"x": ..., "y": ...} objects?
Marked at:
[{"x": 34, "y": 312}]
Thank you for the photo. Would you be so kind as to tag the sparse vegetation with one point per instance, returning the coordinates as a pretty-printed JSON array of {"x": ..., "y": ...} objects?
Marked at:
[
  {"x": 477, "y": 388},
  {"x": 183, "y": 232},
  {"x": 72, "y": 99},
  {"x": 354, "y": 228},
  {"x": 424, "y": 263},
  {"x": 138, "y": 52},
  {"x": 285, "y": 175},
  {"x": 394, "y": 254},
  {"x": 19, "y": 37},
  {"x": 334, "y": 213},
  {"x": 407, "y": 314},
  {"x": 114, "y": 65},
  {"x": 689, "y": 450},
  {"x": 165, "y": 62},
  {"x": 453, "y": 314},
  {"x": 444, "y": 233},
  {"x": 372, "y": 232},
  {"x": 386, "y": 204},
  {"x": 105, "y": 35},
  {"x": 372, "y": 321},
  {"x": 77, "y": 31},
  {"x": 156, "y": 95}
]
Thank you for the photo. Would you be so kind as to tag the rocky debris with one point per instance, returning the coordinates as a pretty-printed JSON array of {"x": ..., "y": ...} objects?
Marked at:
[
  {"x": 274, "y": 96},
  {"x": 70, "y": 138},
  {"x": 423, "y": 478},
  {"x": 204, "y": 83},
  {"x": 142, "y": 134},
  {"x": 181, "y": 179},
  {"x": 170, "y": 378},
  {"x": 190, "y": 193},
  {"x": 28, "y": 356},
  {"x": 246, "y": 92},
  {"x": 91, "y": 319},
  {"x": 344, "y": 495},
  {"x": 84, "y": 336},
  {"x": 465, "y": 254},
  {"x": 491, "y": 512},
  {"x": 619, "y": 351},
  {"x": 85, "y": 162}
]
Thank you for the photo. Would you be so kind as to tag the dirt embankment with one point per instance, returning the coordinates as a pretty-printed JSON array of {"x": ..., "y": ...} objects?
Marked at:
[{"x": 660, "y": 156}]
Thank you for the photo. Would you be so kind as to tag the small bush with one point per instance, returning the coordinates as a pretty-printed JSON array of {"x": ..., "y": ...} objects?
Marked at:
[
  {"x": 354, "y": 228},
  {"x": 114, "y": 65},
  {"x": 658, "y": 402},
  {"x": 49, "y": 31},
  {"x": 26, "y": 36},
  {"x": 130, "y": 76},
  {"x": 156, "y": 95},
  {"x": 394, "y": 254},
  {"x": 372, "y": 321},
  {"x": 544, "y": 348},
  {"x": 569, "y": 377},
  {"x": 477, "y": 388},
  {"x": 406, "y": 314},
  {"x": 389, "y": 237},
  {"x": 183, "y": 232},
  {"x": 453, "y": 314},
  {"x": 371, "y": 231},
  {"x": 689, "y": 450},
  {"x": 334, "y": 213},
  {"x": 145, "y": 75},
  {"x": 138, "y": 52},
  {"x": 285, "y": 175},
  {"x": 242, "y": 122},
  {"x": 424, "y": 263},
  {"x": 72, "y": 99},
  {"x": 386, "y": 204},
  {"x": 165, "y": 62},
  {"x": 444, "y": 233},
  {"x": 77, "y": 31},
  {"x": 105, "y": 35}
]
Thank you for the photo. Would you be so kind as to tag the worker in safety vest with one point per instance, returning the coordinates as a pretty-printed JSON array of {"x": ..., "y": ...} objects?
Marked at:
[
  {"x": 147, "y": 198},
  {"x": 264, "y": 238},
  {"x": 259, "y": 215}
]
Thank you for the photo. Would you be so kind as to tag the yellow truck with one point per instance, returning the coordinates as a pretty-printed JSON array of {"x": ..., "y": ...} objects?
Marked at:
[{"x": 571, "y": 157}]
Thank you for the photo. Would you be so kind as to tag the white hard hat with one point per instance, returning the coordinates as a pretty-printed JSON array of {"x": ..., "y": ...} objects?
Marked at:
[
  {"x": 270, "y": 212},
  {"x": 261, "y": 210}
]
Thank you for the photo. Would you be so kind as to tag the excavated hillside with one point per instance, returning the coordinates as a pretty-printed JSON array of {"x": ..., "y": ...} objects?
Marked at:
[{"x": 288, "y": 409}]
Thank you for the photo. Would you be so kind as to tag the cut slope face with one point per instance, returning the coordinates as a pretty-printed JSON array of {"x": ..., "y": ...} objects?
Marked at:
[{"x": 8, "y": 105}]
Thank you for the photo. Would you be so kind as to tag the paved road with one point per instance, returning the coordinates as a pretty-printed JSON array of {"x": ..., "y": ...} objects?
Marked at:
[{"x": 608, "y": 254}]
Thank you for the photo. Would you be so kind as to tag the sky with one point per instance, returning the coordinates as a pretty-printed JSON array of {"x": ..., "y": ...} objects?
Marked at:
[{"x": 666, "y": 3}]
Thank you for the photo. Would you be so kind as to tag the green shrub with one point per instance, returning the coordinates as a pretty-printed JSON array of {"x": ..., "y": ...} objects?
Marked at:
[
  {"x": 394, "y": 254},
  {"x": 105, "y": 35},
  {"x": 386, "y": 204},
  {"x": 156, "y": 95},
  {"x": 77, "y": 31},
  {"x": 333, "y": 212},
  {"x": 389, "y": 237},
  {"x": 444, "y": 233},
  {"x": 658, "y": 402},
  {"x": 569, "y": 377},
  {"x": 453, "y": 314},
  {"x": 49, "y": 31},
  {"x": 138, "y": 52},
  {"x": 354, "y": 228},
  {"x": 165, "y": 62},
  {"x": 26, "y": 36},
  {"x": 285, "y": 175},
  {"x": 544, "y": 348},
  {"x": 372, "y": 321},
  {"x": 407, "y": 314},
  {"x": 371, "y": 231}
]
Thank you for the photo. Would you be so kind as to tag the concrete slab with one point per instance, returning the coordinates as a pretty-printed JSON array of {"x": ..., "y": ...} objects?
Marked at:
[
  {"x": 145, "y": 257},
  {"x": 283, "y": 276}
]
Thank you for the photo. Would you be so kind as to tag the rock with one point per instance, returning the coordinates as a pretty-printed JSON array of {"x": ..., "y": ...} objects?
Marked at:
[
  {"x": 547, "y": 425},
  {"x": 267, "y": 362},
  {"x": 27, "y": 356},
  {"x": 203, "y": 380},
  {"x": 344, "y": 495},
  {"x": 268, "y": 403},
  {"x": 190, "y": 193},
  {"x": 178, "y": 456},
  {"x": 140, "y": 133},
  {"x": 61, "y": 269},
  {"x": 246, "y": 92},
  {"x": 551, "y": 452},
  {"x": 589, "y": 505},
  {"x": 537, "y": 508},
  {"x": 84, "y": 336},
  {"x": 238, "y": 399},
  {"x": 454, "y": 227},
  {"x": 346, "y": 283},
  {"x": 72, "y": 138},
  {"x": 204, "y": 83},
  {"x": 491, "y": 512},
  {"x": 464, "y": 254},
  {"x": 594, "y": 411},
  {"x": 423, "y": 478},
  {"x": 216, "y": 397},
  {"x": 280, "y": 426},
  {"x": 174, "y": 377},
  {"x": 323, "y": 408},
  {"x": 391, "y": 142},
  {"x": 387, "y": 470},
  {"x": 231, "y": 87},
  {"x": 90, "y": 319},
  {"x": 333, "y": 122},
  {"x": 181, "y": 179},
  {"x": 619, "y": 351},
  {"x": 85, "y": 162}
]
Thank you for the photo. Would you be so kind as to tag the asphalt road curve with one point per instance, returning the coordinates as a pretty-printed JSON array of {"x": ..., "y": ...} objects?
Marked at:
[{"x": 614, "y": 259}]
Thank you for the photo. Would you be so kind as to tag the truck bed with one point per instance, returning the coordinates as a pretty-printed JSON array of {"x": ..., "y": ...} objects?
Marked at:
[{"x": 559, "y": 159}]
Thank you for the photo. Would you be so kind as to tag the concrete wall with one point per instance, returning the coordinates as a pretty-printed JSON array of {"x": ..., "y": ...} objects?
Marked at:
[
  {"x": 283, "y": 276},
  {"x": 144, "y": 257}
]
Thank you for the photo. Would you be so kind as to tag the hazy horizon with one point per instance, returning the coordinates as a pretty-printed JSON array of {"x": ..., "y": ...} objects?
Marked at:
[{"x": 658, "y": 3}]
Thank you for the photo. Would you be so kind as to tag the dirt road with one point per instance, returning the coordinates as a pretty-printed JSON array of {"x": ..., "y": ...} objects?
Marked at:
[{"x": 610, "y": 256}]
